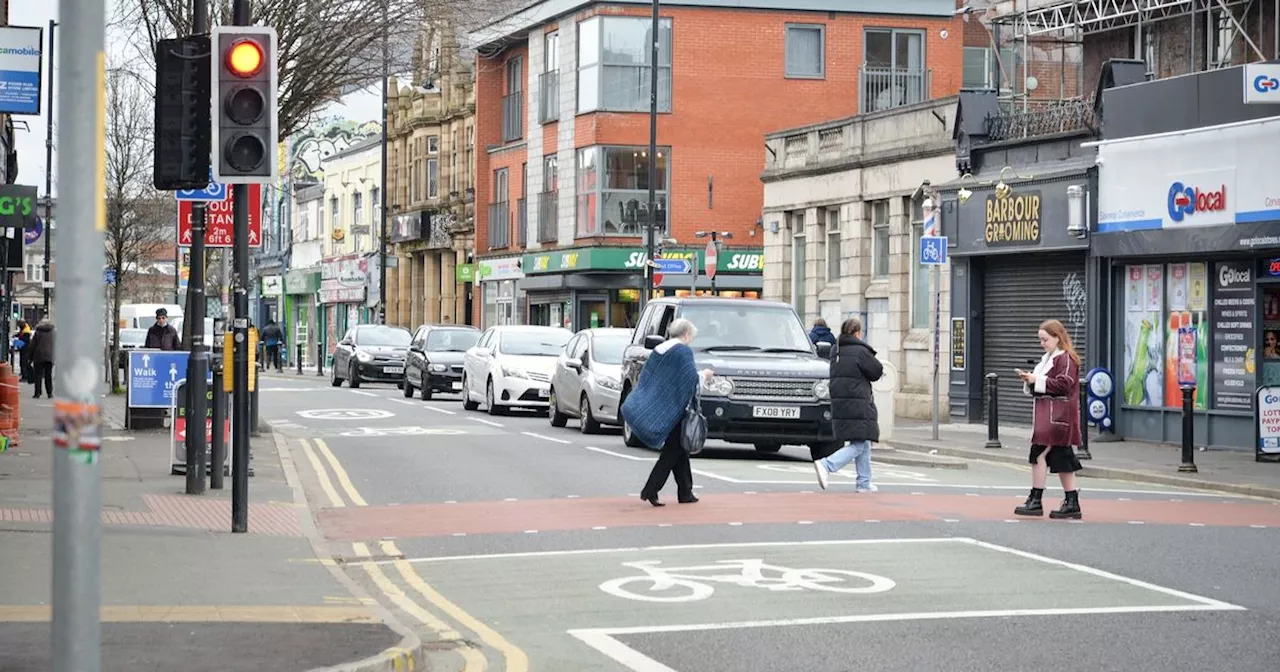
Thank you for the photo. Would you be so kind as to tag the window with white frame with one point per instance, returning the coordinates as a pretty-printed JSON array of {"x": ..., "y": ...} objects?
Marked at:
[
  {"x": 1144, "y": 46},
  {"x": 433, "y": 178},
  {"x": 614, "y": 61},
  {"x": 34, "y": 270},
  {"x": 334, "y": 217},
  {"x": 920, "y": 289},
  {"x": 880, "y": 238},
  {"x": 433, "y": 144},
  {"x": 798, "y": 259},
  {"x": 832, "y": 244},
  {"x": 551, "y": 52},
  {"x": 806, "y": 56},
  {"x": 357, "y": 209}
]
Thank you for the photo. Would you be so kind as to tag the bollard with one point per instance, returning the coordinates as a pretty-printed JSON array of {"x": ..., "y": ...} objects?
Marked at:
[
  {"x": 218, "y": 447},
  {"x": 319, "y": 359},
  {"x": 300, "y": 346},
  {"x": 993, "y": 411},
  {"x": 1082, "y": 452},
  {"x": 1188, "y": 431}
]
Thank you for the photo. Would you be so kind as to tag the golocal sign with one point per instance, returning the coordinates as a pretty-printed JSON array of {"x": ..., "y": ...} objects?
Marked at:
[
  {"x": 1269, "y": 419},
  {"x": 1204, "y": 177},
  {"x": 218, "y": 220}
]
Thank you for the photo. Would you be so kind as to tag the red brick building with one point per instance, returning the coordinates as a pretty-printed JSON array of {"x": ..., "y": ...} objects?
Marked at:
[{"x": 562, "y": 133}]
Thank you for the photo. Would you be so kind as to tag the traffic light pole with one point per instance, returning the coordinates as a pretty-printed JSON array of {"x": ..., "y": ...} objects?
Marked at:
[
  {"x": 382, "y": 187},
  {"x": 48, "y": 174},
  {"x": 197, "y": 386},
  {"x": 240, "y": 339},
  {"x": 76, "y": 641}
]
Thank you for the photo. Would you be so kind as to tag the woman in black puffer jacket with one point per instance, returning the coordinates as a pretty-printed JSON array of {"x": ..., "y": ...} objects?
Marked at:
[{"x": 853, "y": 406}]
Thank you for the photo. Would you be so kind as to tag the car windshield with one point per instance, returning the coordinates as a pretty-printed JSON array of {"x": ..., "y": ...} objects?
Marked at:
[
  {"x": 451, "y": 340},
  {"x": 608, "y": 349},
  {"x": 547, "y": 342},
  {"x": 383, "y": 336},
  {"x": 746, "y": 326},
  {"x": 133, "y": 337}
]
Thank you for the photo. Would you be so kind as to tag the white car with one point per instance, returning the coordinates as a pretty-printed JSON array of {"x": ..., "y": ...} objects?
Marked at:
[{"x": 511, "y": 366}]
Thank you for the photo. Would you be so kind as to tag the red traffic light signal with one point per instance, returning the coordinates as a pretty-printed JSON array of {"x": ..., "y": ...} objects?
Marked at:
[
  {"x": 245, "y": 58},
  {"x": 244, "y": 104}
]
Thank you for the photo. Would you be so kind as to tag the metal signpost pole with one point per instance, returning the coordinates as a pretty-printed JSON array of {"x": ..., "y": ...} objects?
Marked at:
[
  {"x": 77, "y": 477},
  {"x": 935, "y": 281},
  {"x": 240, "y": 338},
  {"x": 198, "y": 362},
  {"x": 652, "y": 228},
  {"x": 382, "y": 186},
  {"x": 48, "y": 172}
]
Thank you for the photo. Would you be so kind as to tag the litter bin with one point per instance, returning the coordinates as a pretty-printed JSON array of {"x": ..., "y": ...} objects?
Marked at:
[{"x": 885, "y": 392}]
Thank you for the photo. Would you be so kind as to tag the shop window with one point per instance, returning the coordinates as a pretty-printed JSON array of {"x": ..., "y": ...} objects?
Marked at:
[
  {"x": 832, "y": 244},
  {"x": 880, "y": 238},
  {"x": 1270, "y": 336}
]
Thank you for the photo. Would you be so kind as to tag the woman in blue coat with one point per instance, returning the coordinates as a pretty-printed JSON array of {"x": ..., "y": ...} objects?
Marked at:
[{"x": 655, "y": 410}]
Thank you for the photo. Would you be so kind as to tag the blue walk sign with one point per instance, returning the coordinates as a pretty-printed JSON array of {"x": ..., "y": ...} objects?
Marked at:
[
  {"x": 933, "y": 250},
  {"x": 153, "y": 375},
  {"x": 213, "y": 192}
]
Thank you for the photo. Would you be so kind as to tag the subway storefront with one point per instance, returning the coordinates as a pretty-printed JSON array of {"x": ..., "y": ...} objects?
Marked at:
[{"x": 580, "y": 288}]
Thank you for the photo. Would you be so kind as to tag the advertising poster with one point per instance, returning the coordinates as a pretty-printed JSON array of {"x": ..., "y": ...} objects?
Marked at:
[
  {"x": 1144, "y": 352},
  {"x": 1233, "y": 336},
  {"x": 1182, "y": 317},
  {"x": 1271, "y": 336},
  {"x": 1199, "y": 298}
]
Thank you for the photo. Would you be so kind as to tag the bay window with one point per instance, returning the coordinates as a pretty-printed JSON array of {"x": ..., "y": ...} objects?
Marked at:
[
  {"x": 615, "y": 62},
  {"x": 613, "y": 190}
]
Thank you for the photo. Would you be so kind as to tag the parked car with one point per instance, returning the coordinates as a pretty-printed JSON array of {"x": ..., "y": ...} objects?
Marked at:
[
  {"x": 771, "y": 384},
  {"x": 511, "y": 366},
  {"x": 434, "y": 363},
  {"x": 587, "y": 382},
  {"x": 129, "y": 340},
  {"x": 370, "y": 352}
]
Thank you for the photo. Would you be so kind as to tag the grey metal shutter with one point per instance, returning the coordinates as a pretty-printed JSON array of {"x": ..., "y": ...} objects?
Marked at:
[{"x": 1021, "y": 291}]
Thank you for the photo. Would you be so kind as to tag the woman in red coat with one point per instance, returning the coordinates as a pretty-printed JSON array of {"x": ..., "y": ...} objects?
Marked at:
[{"x": 1055, "y": 385}]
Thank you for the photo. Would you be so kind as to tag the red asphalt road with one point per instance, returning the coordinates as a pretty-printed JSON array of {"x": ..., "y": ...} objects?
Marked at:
[{"x": 491, "y": 517}]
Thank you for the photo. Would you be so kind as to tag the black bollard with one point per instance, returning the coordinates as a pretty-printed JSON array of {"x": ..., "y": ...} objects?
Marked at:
[
  {"x": 993, "y": 411},
  {"x": 1082, "y": 452},
  {"x": 300, "y": 346},
  {"x": 218, "y": 448},
  {"x": 1188, "y": 431},
  {"x": 319, "y": 359}
]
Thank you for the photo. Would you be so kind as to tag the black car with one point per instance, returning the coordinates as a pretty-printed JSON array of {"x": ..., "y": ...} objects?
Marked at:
[
  {"x": 372, "y": 353},
  {"x": 771, "y": 384},
  {"x": 435, "y": 356}
]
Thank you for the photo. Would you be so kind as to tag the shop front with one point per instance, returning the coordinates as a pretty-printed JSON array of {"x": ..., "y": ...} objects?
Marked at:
[
  {"x": 1189, "y": 228},
  {"x": 1014, "y": 264},
  {"x": 592, "y": 287},
  {"x": 503, "y": 301},
  {"x": 344, "y": 286},
  {"x": 301, "y": 319}
]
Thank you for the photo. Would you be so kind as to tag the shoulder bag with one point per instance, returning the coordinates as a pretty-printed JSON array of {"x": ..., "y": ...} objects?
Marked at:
[{"x": 693, "y": 427}]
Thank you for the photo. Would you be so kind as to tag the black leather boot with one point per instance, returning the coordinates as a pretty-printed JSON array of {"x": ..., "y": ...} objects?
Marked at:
[
  {"x": 1070, "y": 509},
  {"x": 1033, "y": 505}
]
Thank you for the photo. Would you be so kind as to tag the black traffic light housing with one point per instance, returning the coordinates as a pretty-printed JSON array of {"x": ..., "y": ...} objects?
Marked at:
[
  {"x": 244, "y": 105},
  {"x": 182, "y": 130}
]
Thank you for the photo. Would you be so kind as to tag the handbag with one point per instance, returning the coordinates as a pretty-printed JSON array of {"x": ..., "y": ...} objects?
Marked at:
[{"x": 693, "y": 428}]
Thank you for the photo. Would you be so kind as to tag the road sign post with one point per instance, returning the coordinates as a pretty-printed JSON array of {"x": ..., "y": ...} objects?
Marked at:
[
  {"x": 933, "y": 253},
  {"x": 219, "y": 218}
]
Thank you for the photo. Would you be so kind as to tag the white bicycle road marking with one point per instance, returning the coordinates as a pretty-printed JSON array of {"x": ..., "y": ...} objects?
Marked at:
[
  {"x": 346, "y": 414},
  {"x": 879, "y": 471},
  {"x": 690, "y": 584},
  {"x": 399, "y": 431}
]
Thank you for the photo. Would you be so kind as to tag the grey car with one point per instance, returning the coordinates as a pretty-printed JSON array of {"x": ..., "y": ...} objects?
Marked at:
[
  {"x": 587, "y": 382},
  {"x": 370, "y": 353}
]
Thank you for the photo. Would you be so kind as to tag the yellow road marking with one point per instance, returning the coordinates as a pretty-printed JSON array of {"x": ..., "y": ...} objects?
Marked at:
[
  {"x": 517, "y": 659},
  {"x": 204, "y": 614},
  {"x": 341, "y": 473},
  {"x": 322, "y": 474}
]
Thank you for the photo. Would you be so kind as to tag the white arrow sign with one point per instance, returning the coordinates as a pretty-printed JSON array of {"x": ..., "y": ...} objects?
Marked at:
[
  {"x": 173, "y": 372},
  {"x": 146, "y": 361}
]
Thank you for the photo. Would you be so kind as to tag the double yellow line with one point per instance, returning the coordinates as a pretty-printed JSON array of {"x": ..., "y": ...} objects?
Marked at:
[{"x": 474, "y": 661}]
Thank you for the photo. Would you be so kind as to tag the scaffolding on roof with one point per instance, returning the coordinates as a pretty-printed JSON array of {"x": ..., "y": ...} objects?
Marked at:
[{"x": 1097, "y": 16}]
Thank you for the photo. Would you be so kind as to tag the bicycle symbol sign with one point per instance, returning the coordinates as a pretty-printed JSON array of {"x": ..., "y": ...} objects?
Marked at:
[
  {"x": 213, "y": 192},
  {"x": 690, "y": 584},
  {"x": 933, "y": 250}
]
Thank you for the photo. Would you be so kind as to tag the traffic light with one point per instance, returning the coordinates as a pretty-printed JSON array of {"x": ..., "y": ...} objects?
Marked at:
[
  {"x": 182, "y": 135},
  {"x": 245, "y": 130}
]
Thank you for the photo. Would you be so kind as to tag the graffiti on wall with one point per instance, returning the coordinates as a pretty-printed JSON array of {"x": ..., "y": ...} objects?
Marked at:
[{"x": 317, "y": 142}]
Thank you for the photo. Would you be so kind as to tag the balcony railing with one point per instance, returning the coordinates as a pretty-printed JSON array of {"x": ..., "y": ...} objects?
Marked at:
[
  {"x": 499, "y": 225},
  {"x": 548, "y": 216},
  {"x": 886, "y": 88},
  {"x": 522, "y": 222},
  {"x": 548, "y": 97},
  {"x": 513, "y": 116}
]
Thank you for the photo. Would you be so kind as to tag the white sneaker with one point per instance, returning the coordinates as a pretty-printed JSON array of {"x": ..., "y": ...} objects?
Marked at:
[
  {"x": 869, "y": 488},
  {"x": 822, "y": 473}
]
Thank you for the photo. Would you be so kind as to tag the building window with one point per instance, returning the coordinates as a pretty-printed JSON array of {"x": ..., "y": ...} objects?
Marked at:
[
  {"x": 880, "y": 238},
  {"x": 977, "y": 68},
  {"x": 433, "y": 178},
  {"x": 513, "y": 102},
  {"x": 549, "y": 80},
  {"x": 374, "y": 193},
  {"x": 415, "y": 182},
  {"x": 34, "y": 271},
  {"x": 833, "y": 245},
  {"x": 453, "y": 163},
  {"x": 1144, "y": 46},
  {"x": 614, "y": 61},
  {"x": 500, "y": 210},
  {"x": 471, "y": 156},
  {"x": 334, "y": 217},
  {"x": 893, "y": 72},
  {"x": 357, "y": 209},
  {"x": 1222, "y": 39},
  {"x": 797, "y": 263},
  {"x": 806, "y": 56},
  {"x": 920, "y": 288},
  {"x": 613, "y": 190},
  {"x": 433, "y": 144},
  {"x": 550, "y": 173}
]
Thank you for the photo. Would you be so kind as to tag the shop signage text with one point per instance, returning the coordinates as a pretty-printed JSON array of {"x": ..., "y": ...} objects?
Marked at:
[
  {"x": 344, "y": 279},
  {"x": 627, "y": 259},
  {"x": 301, "y": 281},
  {"x": 1013, "y": 220},
  {"x": 957, "y": 344},
  {"x": 1269, "y": 419},
  {"x": 1262, "y": 83},
  {"x": 1273, "y": 268},
  {"x": 1233, "y": 336},
  {"x": 1185, "y": 201},
  {"x": 500, "y": 268}
]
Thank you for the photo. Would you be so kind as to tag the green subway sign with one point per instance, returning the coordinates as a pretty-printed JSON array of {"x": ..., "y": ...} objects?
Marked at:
[{"x": 730, "y": 260}]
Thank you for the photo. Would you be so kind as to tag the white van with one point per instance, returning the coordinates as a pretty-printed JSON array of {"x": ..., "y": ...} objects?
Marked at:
[{"x": 143, "y": 315}]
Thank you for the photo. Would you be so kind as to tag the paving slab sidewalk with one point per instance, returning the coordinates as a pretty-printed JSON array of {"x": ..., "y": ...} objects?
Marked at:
[
  {"x": 1232, "y": 471},
  {"x": 178, "y": 589}
]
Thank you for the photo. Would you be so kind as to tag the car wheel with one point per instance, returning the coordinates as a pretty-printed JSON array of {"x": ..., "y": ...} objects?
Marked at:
[
  {"x": 334, "y": 380},
  {"x": 490, "y": 403},
  {"x": 768, "y": 447},
  {"x": 406, "y": 387},
  {"x": 467, "y": 403},
  {"x": 558, "y": 418},
  {"x": 818, "y": 451},
  {"x": 588, "y": 424},
  {"x": 629, "y": 437},
  {"x": 354, "y": 380},
  {"x": 426, "y": 392}
]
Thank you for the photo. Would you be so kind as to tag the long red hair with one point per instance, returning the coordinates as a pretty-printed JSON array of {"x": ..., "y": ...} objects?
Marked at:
[{"x": 1055, "y": 329}]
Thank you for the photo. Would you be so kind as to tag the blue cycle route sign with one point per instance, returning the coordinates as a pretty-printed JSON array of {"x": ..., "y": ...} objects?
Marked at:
[
  {"x": 213, "y": 192},
  {"x": 153, "y": 376},
  {"x": 933, "y": 250}
]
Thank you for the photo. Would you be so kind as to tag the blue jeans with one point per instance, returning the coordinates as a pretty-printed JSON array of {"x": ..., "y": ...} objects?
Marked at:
[{"x": 858, "y": 452}]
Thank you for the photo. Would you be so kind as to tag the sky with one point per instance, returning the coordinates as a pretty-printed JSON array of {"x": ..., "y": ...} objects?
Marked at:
[{"x": 358, "y": 107}]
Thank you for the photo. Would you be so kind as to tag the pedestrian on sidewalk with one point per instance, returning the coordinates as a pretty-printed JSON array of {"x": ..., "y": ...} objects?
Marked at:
[
  {"x": 42, "y": 356},
  {"x": 273, "y": 337},
  {"x": 1056, "y": 421},
  {"x": 162, "y": 335},
  {"x": 655, "y": 410},
  {"x": 854, "y": 419},
  {"x": 20, "y": 343},
  {"x": 821, "y": 333}
]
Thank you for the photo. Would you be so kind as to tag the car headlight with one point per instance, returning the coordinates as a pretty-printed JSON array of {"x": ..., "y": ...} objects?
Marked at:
[
  {"x": 609, "y": 382},
  {"x": 822, "y": 389},
  {"x": 717, "y": 387},
  {"x": 513, "y": 372},
  {"x": 364, "y": 356},
  {"x": 438, "y": 368}
]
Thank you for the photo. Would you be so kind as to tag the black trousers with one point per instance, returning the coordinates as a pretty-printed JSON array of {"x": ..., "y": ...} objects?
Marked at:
[
  {"x": 273, "y": 357},
  {"x": 43, "y": 373},
  {"x": 671, "y": 460}
]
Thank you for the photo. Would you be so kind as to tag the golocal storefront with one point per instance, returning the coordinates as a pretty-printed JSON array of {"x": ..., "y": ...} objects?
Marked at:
[{"x": 1189, "y": 222}]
